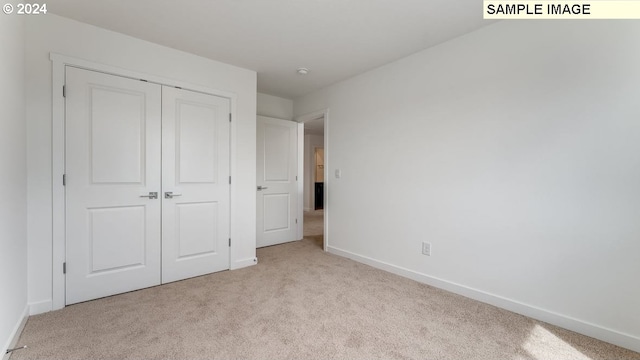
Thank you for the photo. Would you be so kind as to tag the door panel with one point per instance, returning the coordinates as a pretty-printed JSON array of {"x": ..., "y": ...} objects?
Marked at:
[
  {"x": 196, "y": 142},
  {"x": 277, "y": 149},
  {"x": 124, "y": 125},
  {"x": 277, "y": 212},
  {"x": 197, "y": 224},
  {"x": 195, "y": 162},
  {"x": 116, "y": 238},
  {"x": 277, "y": 183},
  {"x": 112, "y": 159}
]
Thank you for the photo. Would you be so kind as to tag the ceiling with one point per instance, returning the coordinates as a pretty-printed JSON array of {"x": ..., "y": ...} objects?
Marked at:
[{"x": 335, "y": 39}]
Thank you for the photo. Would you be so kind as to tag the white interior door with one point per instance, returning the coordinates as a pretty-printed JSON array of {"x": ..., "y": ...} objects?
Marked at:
[
  {"x": 112, "y": 165},
  {"x": 277, "y": 169},
  {"x": 147, "y": 184},
  {"x": 195, "y": 182}
]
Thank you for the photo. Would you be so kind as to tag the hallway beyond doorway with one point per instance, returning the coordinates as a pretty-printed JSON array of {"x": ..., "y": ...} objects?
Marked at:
[{"x": 314, "y": 227}]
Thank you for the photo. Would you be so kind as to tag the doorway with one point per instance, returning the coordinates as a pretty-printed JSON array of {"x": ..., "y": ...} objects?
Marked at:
[
  {"x": 318, "y": 186},
  {"x": 315, "y": 176}
]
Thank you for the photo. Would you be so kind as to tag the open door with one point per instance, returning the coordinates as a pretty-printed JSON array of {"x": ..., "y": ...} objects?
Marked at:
[{"x": 277, "y": 187}]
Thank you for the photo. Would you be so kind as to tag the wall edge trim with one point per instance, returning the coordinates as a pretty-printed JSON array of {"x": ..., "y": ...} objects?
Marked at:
[
  {"x": 582, "y": 327},
  {"x": 15, "y": 333},
  {"x": 40, "y": 307}
]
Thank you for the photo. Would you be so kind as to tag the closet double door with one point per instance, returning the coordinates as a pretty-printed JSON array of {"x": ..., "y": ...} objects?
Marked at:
[{"x": 146, "y": 184}]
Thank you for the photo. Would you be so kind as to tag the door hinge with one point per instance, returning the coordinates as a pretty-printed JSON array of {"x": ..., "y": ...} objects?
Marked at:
[
  {"x": 64, "y": 91},
  {"x": 229, "y": 180},
  {"x": 64, "y": 267},
  {"x": 229, "y": 117},
  {"x": 296, "y": 221},
  {"x": 296, "y": 177},
  {"x": 229, "y": 242},
  {"x": 64, "y": 179}
]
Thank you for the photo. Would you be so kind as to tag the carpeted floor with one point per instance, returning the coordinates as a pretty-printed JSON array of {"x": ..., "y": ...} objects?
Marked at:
[
  {"x": 299, "y": 303},
  {"x": 314, "y": 226}
]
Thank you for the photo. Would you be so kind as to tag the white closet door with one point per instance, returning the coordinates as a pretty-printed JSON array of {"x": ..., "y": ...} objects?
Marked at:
[
  {"x": 112, "y": 165},
  {"x": 195, "y": 163},
  {"x": 276, "y": 179}
]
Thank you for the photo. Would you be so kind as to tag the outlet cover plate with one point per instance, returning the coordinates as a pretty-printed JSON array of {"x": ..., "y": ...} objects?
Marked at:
[{"x": 426, "y": 248}]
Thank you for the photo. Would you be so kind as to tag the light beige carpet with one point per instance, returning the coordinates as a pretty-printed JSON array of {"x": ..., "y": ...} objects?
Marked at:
[
  {"x": 314, "y": 226},
  {"x": 299, "y": 303}
]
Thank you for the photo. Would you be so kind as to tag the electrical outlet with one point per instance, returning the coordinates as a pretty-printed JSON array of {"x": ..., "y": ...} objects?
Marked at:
[{"x": 426, "y": 248}]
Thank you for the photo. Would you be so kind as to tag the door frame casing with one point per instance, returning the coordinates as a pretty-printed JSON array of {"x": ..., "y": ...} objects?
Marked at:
[
  {"x": 301, "y": 180},
  {"x": 309, "y": 117},
  {"x": 59, "y": 64}
]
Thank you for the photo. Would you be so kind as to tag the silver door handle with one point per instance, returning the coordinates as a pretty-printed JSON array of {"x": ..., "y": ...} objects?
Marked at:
[
  {"x": 152, "y": 195},
  {"x": 170, "y": 195},
  {"x": 262, "y": 188}
]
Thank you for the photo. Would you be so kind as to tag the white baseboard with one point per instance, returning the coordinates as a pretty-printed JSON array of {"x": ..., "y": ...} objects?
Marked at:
[
  {"x": 244, "y": 263},
  {"x": 611, "y": 336},
  {"x": 40, "y": 307},
  {"x": 15, "y": 334}
]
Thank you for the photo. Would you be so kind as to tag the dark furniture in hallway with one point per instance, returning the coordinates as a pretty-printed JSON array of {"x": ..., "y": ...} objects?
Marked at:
[{"x": 319, "y": 196}]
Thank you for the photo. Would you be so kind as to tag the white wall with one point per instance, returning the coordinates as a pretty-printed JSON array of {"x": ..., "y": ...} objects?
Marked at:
[
  {"x": 52, "y": 33},
  {"x": 275, "y": 107},
  {"x": 515, "y": 151},
  {"x": 13, "y": 180},
  {"x": 310, "y": 143}
]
